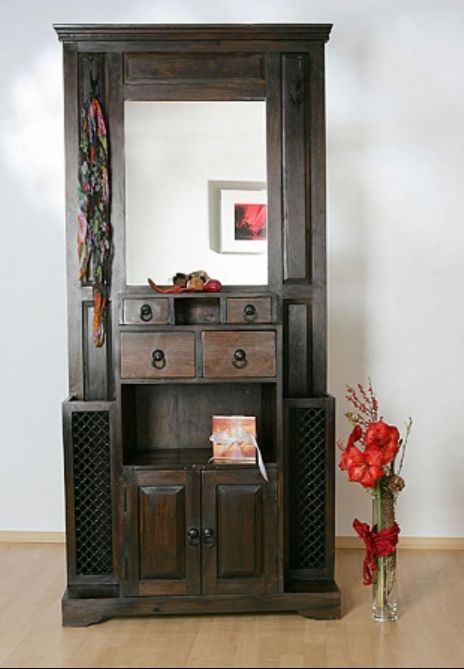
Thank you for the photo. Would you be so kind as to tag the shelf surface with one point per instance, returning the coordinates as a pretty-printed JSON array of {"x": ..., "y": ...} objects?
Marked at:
[{"x": 182, "y": 457}]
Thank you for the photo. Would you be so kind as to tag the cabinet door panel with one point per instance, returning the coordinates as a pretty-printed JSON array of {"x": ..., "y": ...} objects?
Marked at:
[
  {"x": 240, "y": 539},
  {"x": 239, "y": 515},
  {"x": 163, "y": 506},
  {"x": 162, "y": 531}
]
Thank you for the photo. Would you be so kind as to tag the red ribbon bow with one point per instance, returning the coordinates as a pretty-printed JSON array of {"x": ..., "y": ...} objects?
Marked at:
[{"x": 378, "y": 544}]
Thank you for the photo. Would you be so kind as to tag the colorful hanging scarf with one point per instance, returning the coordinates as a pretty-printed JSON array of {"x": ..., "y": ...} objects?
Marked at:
[{"x": 93, "y": 216}]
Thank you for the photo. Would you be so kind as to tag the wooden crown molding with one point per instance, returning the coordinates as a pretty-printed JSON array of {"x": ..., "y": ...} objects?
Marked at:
[{"x": 89, "y": 32}]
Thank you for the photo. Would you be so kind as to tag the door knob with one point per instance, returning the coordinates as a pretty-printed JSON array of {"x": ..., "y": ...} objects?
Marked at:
[
  {"x": 158, "y": 359},
  {"x": 239, "y": 358},
  {"x": 146, "y": 314},
  {"x": 193, "y": 536},
  {"x": 250, "y": 313},
  {"x": 208, "y": 537}
]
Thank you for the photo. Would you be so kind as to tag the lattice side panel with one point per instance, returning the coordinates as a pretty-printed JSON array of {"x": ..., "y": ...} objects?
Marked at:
[
  {"x": 307, "y": 487},
  {"x": 92, "y": 492}
]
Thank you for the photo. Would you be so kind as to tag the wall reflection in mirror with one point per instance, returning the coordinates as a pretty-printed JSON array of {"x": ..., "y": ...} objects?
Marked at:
[{"x": 196, "y": 191}]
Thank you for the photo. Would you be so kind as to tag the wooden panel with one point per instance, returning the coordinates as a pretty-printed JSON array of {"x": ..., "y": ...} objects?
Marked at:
[
  {"x": 162, "y": 531},
  {"x": 211, "y": 89},
  {"x": 156, "y": 67},
  {"x": 295, "y": 168},
  {"x": 249, "y": 310},
  {"x": 238, "y": 508},
  {"x": 298, "y": 349},
  {"x": 318, "y": 219},
  {"x": 147, "y": 311},
  {"x": 274, "y": 148},
  {"x": 219, "y": 349},
  {"x": 162, "y": 507},
  {"x": 96, "y": 360},
  {"x": 137, "y": 349},
  {"x": 74, "y": 290},
  {"x": 240, "y": 540}
]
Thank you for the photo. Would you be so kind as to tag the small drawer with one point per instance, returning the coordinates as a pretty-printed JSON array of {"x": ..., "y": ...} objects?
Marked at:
[
  {"x": 146, "y": 355},
  {"x": 249, "y": 310},
  {"x": 148, "y": 312},
  {"x": 239, "y": 354}
]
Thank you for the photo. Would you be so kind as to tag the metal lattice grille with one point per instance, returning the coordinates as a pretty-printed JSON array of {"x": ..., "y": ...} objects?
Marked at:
[
  {"x": 307, "y": 488},
  {"x": 92, "y": 492}
]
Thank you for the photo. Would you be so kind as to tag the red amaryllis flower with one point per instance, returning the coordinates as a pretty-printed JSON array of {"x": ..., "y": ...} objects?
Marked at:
[
  {"x": 349, "y": 458},
  {"x": 355, "y": 435},
  {"x": 350, "y": 454},
  {"x": 383, "y": 437},
  {"x": 365, "y": 468}
]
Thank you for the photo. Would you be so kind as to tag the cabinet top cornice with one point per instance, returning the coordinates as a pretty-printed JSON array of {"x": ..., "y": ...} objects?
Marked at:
[{"x": 92, "y": 32}]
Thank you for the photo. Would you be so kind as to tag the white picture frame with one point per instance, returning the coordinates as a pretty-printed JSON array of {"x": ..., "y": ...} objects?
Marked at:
[{"x": 231, "y": 201}]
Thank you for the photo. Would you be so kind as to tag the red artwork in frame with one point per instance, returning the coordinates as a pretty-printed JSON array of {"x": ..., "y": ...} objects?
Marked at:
[
  {"x": 250, "y": 221},
  {"x": 243, "y": 220}
]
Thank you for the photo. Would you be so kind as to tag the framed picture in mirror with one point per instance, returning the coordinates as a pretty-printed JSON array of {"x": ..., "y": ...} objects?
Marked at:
[{"x": 243, "y": 219}]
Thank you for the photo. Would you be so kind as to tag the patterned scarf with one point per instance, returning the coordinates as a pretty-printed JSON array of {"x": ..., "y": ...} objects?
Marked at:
[{"x": 93, "y": 215}]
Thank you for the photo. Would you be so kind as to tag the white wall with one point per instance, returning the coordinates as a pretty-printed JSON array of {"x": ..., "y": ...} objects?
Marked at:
[{"x": 395, "y": 112}]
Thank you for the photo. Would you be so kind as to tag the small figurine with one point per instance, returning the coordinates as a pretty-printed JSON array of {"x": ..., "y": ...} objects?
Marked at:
[
  {"x": 195, "y": 283},
  {"x": 180, "y": 279},
  {"x": 201, "y": 274}
]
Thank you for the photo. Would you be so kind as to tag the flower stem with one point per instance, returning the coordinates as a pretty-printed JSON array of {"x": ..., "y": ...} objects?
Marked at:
[{"x": 380, "y": 594}]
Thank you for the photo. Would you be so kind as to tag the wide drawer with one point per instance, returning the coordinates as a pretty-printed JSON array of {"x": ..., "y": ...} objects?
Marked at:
[
  {"x": 157, "y": 355},
  {"x": 148, "y": 311},
  {"x": 249, "y": 310},
  {"x": 239, "y": 354}
]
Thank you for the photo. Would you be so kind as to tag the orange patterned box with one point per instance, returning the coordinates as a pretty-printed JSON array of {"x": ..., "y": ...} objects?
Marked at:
[{"x": 234, "y": 438}]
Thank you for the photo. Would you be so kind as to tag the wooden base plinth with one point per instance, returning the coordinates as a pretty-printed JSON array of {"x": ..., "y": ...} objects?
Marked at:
[{"x": 322, "y": 603}]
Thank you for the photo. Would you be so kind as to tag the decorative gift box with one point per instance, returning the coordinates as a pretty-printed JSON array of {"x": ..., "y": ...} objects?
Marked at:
[
  {"x": 234, "y": 438},
  {"x": 234, "y": 441}
]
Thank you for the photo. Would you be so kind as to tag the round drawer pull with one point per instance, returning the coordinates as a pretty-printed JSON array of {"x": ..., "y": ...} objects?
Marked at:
[
  {"x": 193, "y": 536},
  {"x": 208, "y": 537},
  {"x": 146, "y": 313},
  {"x": 250, "y": 313},
  {"x": 158, "y": 359},
  {"x": 239, "y": 358}
]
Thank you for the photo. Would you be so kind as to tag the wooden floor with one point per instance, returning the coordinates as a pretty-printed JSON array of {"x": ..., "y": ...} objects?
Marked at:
[{"x": 430, "y": 632}]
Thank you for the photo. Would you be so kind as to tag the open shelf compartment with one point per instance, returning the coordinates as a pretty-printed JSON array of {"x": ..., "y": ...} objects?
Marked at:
[{"x": 171, "y": 424}]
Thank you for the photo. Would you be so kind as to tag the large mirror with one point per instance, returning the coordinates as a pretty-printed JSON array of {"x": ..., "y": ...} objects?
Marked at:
[{"x": 196, "y": 191}]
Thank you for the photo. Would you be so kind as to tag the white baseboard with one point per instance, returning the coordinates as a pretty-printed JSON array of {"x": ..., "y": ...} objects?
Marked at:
[
  {"x": 24, "y": 537},
  {"x": 351, "y": 543},
  {"x": 409, "y": 543}
]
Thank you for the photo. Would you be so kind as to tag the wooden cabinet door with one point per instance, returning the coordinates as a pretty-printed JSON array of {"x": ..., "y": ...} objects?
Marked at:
[
  {"x": 163, "y": 531},
  {"x": 239, "y": 532}
]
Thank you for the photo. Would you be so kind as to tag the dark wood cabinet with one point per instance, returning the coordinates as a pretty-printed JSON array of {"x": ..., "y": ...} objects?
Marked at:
[
  {"x": 200, "y": 532},
  {"x": 153, "y": 526}
]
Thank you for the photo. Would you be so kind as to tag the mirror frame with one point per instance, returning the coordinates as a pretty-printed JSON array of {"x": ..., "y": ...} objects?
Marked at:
[{"x": 281, "y": 64}]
